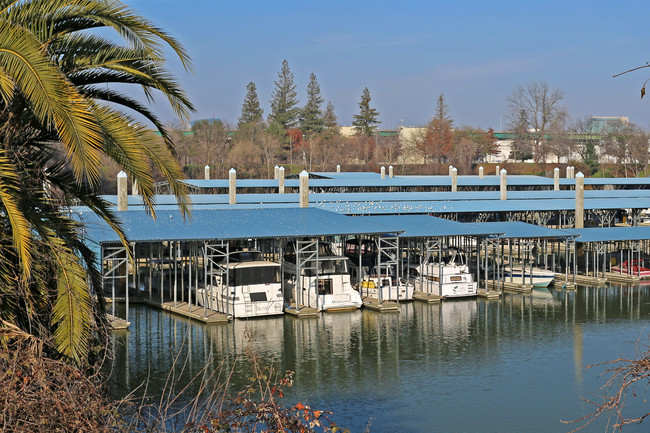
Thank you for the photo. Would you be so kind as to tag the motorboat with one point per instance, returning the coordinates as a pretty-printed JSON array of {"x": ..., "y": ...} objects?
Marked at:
[
  {"x": 373, "y": 273},
  {"x": 632, "y": 267},
  {"x": 323, "y": 281},
  {"x": 519, "y": 275},
  {"x": 383, "y": 284},
  {"x": 244, "y": 285},
  {"x": 448, "y": 279}
]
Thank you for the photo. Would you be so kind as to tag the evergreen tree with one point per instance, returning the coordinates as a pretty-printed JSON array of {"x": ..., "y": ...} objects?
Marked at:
[
  {"x": 442, "y": 111},
  {"x": 365, "y": 123},
  {"x": 251, "y": 112},
  {"x": 440, "y": 132},
  {"x": 284, "y": 102},
  {"x": 311, "y": 117},
  {"x": 522, "y": 145},
  {"x": 329, "y": 118}
]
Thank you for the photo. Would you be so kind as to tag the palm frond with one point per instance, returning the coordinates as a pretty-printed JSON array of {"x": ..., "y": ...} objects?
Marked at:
[
  {"x": 51, "y": 98},
  {"x": 72, "y": 309},
  {"x": 20, "y": 229}
]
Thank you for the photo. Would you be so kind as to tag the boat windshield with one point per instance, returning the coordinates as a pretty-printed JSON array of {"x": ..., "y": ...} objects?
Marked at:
[
  {"x": 254, "y": 275},
  {"x": 328, "y": 267}
]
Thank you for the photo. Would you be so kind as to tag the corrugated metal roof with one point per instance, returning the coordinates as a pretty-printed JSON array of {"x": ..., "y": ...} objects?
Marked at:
[
  {"x": 199, "y": 200},
  {"x": 415, "y": 207},
  {"x": 611, "y": 234},
  {"x": 228, "y": 224},
  {"x": 371, "y": 179},
  {"x": 600, "y": 181},
  {"x": 521, "y": 230},
  {"x": 425, "y": 226},
  {"x": 476, "y": 206}
]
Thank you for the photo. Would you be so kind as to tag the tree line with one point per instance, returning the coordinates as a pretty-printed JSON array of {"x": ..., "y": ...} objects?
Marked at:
[
  {"x": 543, "y": 130},
  {"x": 309, "y": 136}
]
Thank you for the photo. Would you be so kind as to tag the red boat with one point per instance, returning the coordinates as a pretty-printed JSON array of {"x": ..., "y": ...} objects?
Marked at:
[{"x": 633, "y": 267}]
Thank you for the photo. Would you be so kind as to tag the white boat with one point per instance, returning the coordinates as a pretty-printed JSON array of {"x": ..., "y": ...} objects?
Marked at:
[
  {"x": 247, "y": 286},
  {"x": 385, "y": 286},
  {"x": 540, "y": 277},
  {"x": 456, "y": 280},
  {"x": 376, "y": 282},
  {"x": 324, "y": 281},
  {"x": 449, "y": 279}
]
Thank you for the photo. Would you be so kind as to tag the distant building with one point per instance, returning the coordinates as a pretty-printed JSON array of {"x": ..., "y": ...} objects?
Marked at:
[
  {"x": 597, "y": 128},
  {"x": 606, "y": 125}
]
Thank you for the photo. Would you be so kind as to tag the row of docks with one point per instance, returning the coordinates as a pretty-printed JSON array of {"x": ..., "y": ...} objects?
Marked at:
[{"x": 269, "y": 253}]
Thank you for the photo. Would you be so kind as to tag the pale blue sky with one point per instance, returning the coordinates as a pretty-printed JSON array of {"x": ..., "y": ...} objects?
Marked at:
[{"x": 409, "y": 52}]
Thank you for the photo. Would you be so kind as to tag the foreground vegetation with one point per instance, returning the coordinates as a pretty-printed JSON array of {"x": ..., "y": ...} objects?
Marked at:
[{"x": 57, "y": 76}]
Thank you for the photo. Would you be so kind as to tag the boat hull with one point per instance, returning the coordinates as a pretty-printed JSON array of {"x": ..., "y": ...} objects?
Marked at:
[
  {"x": 246, "y": 303},
  {"x": 538, "y": 280}
]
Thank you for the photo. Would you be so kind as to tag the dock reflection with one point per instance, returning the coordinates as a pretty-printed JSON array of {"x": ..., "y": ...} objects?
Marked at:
[{"x": 342, "y": 357}]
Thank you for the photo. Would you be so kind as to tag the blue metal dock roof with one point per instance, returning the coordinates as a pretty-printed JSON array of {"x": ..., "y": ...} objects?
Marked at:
[
  {"x": 373, "y": 180},
  {"x": 227, "y": 224},
  {"x": 199, "y": 200},
  {"x": 425, "y": 226},
  {"x": 614, "y": 181},
  {"x": 521, "y": 230},
  {"x": 438, "y": 207},
  {"x": 478, "y": 206},
  {"x": 612, "y": 234},
  {"x": 369, "y": 181}
]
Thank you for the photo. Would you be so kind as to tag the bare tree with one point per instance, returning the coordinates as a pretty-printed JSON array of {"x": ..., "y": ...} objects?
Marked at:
[
  {"x": 626, "y": 376},
  {"x": 638, "y": 151},
  {"x": 543, "y": 108},
  {"x": 388, "y": 149},
  {"x": 616, "y": 144},
  {"x": 270, "y": 148},
  {"x": 559, "y": 142},
  {"x": 522, "y": 147}
]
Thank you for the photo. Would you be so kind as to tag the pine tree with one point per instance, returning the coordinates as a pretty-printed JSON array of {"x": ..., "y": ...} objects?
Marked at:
[
  {"x": 440, "y": 131},
  {"x": 251, "y": 112},
  {"x": 284, "y": 102},
  {"x": 311, "y": 117},
  {"x": 442, "y": 111},
  {"x": 365, "y": 123},
  {"x": 329, "y": 118}
]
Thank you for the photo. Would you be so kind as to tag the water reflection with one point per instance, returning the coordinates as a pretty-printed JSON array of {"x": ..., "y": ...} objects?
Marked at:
[{"x": 434, "y": 367}]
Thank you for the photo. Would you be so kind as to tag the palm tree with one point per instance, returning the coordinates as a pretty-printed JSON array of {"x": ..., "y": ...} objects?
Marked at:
[{"x": 59, "y": 115}]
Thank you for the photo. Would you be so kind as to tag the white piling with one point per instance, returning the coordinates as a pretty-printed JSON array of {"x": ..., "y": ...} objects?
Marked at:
[
  {"x": 573, "y": 172},
  {"x": 480, "y": 172},
  {"x": 497, "y": 170},
  {"x": 338, "y": 168},
  {"x": 568, "y": 172},
  {"x": 276, "y": 172},
  {"x": 281, "y": 180},
  {"x": 451, "y": 167},
  {"x": 580, "y": 200},
  {"x": 122, "y": 199},
  {"x": 232, "y": 186},
  {"x": 503, "y": 187},
  {"x": 206, "y": 172},
  {"x": 304, "y": 189},
  {"x": 454, "y": 179},
  {"x": 390, "y": 171},
  {"x": 134, "y": 187},
  {"x": 383, "y": 172},
  {"x": 556, "y": 179}
]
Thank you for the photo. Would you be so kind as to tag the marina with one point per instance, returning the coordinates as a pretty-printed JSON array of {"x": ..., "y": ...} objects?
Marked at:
[
  {"x": 357, "y": 303},
  {"x": 374, "y": 249}
]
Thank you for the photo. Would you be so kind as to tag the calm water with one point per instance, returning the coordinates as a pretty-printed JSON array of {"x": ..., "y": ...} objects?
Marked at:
[{"x": 510, "y": 365}]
